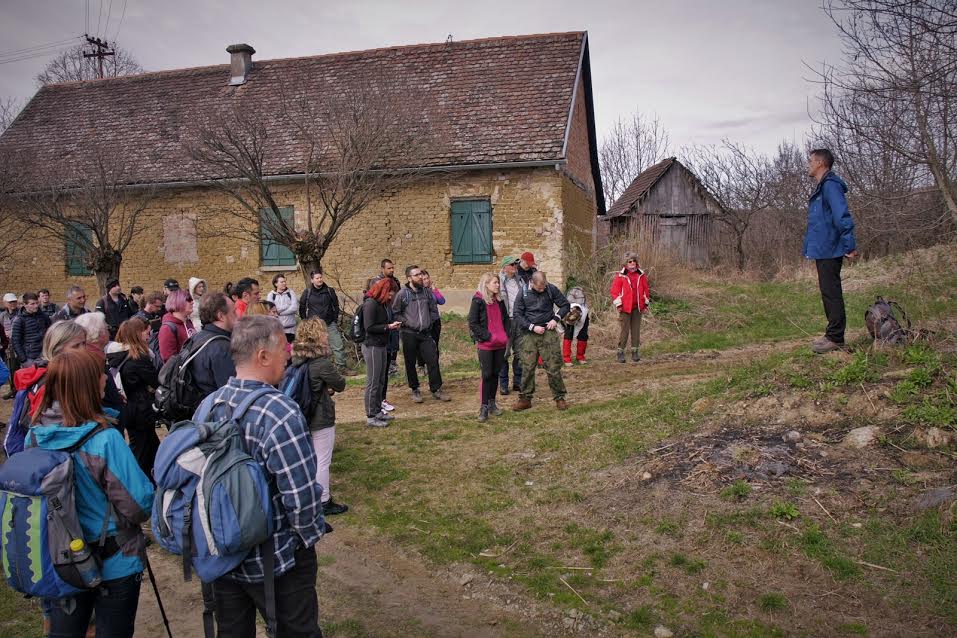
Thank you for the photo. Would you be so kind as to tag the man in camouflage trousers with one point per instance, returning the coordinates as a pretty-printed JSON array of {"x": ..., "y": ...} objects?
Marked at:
[{"x": 539, "y": 324}]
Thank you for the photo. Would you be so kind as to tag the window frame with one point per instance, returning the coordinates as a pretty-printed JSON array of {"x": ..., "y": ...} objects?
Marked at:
[
  {"x": 485, "y": 257},
  {"x": 266, "y": 242},
  {"x": 74, "y": 254}
]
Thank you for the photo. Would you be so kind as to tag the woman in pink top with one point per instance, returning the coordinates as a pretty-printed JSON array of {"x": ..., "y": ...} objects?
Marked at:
[
  {"x": 177, "y": 326},
  {"x": 488, "y": 324}
]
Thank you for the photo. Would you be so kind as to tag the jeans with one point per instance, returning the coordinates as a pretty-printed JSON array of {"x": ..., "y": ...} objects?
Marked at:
[
  {"x": 114, "y": 602},
  {"x": 377, "y": 377},
  {"x": 297, "y": 606},
  {"x": 337, "y": 345},
  {"x": 491, "y": 362},
  {"x": 829, "y": 281},
  {"x": 414, "y": 345}
]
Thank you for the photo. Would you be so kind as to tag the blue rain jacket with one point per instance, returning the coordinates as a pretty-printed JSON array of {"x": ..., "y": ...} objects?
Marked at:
[{"x": 830, "y": 227}]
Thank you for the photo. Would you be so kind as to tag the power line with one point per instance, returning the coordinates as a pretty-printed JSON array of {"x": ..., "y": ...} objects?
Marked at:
[
  {"x": 122, "y": 16},
  {"x": 109, "y": 12},
  {"x": 40, "y": 54},
  {"x": 99, "y": 18},
  {"x": 39, "y": 46}
]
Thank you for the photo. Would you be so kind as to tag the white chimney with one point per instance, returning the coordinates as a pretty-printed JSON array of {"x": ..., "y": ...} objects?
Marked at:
[{"x": 240, "y": 63}]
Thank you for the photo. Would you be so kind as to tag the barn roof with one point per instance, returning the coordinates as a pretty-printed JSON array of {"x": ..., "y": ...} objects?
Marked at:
[
  {"x": 640, "y": 187},
  {"x": 497, "y": 100}
]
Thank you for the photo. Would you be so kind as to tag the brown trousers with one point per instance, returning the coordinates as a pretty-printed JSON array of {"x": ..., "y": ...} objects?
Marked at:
[{"x": 629, "y": 323}]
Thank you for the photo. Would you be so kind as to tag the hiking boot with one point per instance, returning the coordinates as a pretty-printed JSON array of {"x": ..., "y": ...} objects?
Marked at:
[
  {"x": 438, "y": 395},
  {"x": 9, "y": 395},
  {"x": 826, "y": 345},
  {"x": 393, "y": 369},
  {"x": 503, "y": 390},
  {"x": 387, "y": 407},
  {"x": 346, "y": 371},
  {"x": 569, "y": 364},
  {"x": 621, "y": 356},
  {"x": 561, "y": 404},
  {"x": 331, "y": 508},
  {"x": 416, "y": 396},
  {"x": 493, "y": 409},
  {"x": 635, "y": 355},
  {"x": 376, "y": 422},
  {"x": 483, "y": 414},
  {"x": 385, "y": 416},
  {"x": 522, "y": 404}
]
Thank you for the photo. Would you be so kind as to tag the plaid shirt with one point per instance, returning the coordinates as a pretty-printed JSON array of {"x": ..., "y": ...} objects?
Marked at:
[{"x": 277, "y": 437}]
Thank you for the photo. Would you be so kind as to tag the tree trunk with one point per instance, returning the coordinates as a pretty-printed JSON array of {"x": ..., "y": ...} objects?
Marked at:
[
  {"x": 106, "y": 266},
  {"x": 740, "y": 250},
  {"x": 308, "y": 266}
]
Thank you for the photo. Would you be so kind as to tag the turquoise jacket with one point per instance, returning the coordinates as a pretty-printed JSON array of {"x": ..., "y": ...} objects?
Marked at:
[{"x": 105, "y": 468}]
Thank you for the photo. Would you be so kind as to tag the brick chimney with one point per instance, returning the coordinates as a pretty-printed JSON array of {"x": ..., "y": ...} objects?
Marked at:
[{"x": 240, "y": 63}]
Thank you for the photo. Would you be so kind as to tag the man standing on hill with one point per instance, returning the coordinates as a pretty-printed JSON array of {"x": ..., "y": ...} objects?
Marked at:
[
  {"x": 537, "y": 318},
  {"x": 829, "y": 239}
]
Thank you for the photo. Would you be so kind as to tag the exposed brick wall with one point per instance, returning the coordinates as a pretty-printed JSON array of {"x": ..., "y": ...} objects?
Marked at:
[
  {"x": 578, "y": 152},
  {"x": 410, "y": 226}
]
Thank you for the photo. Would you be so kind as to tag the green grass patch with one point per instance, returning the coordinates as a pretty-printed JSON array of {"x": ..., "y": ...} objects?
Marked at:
[
  {"x": 818, "y": 546},
  {"x": 689, "y": 565},
  {"x": 784, "y": 510},
  {"x": 772, "y": 602},
  {"x": 737, "y": 491},
  {"x": 19, "y": 617}
]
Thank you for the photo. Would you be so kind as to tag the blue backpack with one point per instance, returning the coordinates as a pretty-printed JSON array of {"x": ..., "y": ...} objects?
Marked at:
[
  {"x": 39, "y": 523},
  {"x": 295, "y": 385},
  {"x": 19, "y": 422},
  {"x": 213, "y": 503}
]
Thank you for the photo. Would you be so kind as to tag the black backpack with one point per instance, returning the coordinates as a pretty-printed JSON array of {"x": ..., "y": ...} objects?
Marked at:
[
  {"x": 177, "y": 396},
  {"x": 154, "y": 342},
  {"x": 358, "y": 327},
  {"x": 886, "y": 321},
  {"x": 295, "y": 385}
]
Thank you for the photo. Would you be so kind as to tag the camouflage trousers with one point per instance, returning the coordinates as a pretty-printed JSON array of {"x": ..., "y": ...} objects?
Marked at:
[{"x": 548, "y": 346}]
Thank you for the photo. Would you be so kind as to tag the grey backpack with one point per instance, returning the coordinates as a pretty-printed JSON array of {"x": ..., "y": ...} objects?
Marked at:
[{"x": 886, "y": 321}]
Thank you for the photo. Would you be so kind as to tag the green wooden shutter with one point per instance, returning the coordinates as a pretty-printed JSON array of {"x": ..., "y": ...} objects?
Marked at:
[
  {"x": 471, "y": 231},
  {"x": 272, "y": 253},
  {"x": 77, "y": 239}
]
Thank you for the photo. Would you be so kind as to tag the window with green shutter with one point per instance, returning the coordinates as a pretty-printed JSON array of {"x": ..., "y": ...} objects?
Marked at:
[
  {"x": 471, "y": 231},
  {"x": 77, "y": 240},
  {"x": 271, "y": 253}
]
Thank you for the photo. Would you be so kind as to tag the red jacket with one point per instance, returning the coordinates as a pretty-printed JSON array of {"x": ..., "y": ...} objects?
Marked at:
[
  {"x": 621, "y": 287},
  {"x": 172, "y": 342}
]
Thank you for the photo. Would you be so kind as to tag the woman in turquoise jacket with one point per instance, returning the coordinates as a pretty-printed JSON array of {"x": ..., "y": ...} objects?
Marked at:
[{"x": 108, "y": 478}]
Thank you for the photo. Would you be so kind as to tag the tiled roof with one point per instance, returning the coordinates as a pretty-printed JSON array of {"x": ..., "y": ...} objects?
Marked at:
[
  {"x": 494, "y": 100},
  {"x": 640, "y": 186}
]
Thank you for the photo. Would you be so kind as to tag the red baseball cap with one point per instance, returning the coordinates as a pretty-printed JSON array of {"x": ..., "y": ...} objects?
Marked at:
[{"x": 528, "y": 258}]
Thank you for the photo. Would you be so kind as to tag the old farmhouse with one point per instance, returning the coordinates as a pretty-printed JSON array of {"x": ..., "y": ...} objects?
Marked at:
[
  {"x": 515, "y": 168},
  {"x": 667, "y": 206}
]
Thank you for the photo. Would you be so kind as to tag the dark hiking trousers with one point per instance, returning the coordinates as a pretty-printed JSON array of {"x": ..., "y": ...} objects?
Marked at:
[
  {"x": 114, "y": 601},
  {"x": 377, "y": 377},
  {"x": 421, "y": 344},
  {"x": 491, "y": 363},
  {"x": 829, "y": 281},
  {"x": 297, "y": 606}
]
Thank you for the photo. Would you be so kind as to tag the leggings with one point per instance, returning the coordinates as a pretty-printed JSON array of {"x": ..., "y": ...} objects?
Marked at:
[
  {"x": 322, "y": 442},
  {"x": 491, "y": 362},
  {"x": 377, "y": 377}
]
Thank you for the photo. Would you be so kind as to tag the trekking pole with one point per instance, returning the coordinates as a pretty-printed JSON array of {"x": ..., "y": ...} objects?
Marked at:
[{"x": 159, "y": 602}]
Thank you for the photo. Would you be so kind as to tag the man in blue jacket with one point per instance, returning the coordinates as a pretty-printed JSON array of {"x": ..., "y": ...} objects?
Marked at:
[{"x": 829, "y": 239}]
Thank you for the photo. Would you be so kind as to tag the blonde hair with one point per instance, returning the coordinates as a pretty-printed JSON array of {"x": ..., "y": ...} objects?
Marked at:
[
  {"x": 487, "y": 295},
  {"x": 58, "y": 335},
  {"x": 312, "y": 339}
]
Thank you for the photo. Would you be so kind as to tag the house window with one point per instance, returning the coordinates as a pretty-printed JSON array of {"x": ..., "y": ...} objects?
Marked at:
[
  {"x": 77, "y": 241},
  {"x": 271, "y": 253},
  {"x": 471, "y": 231}
]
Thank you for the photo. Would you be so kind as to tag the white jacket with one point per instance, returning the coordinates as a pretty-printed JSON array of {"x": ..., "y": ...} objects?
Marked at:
[
  {"x": 287, "y": 303},
  {"x": 194, "y": 316}
]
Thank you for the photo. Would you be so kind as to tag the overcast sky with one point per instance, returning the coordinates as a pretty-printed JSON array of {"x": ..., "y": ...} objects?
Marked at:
[{"x": 709, "y": 68}]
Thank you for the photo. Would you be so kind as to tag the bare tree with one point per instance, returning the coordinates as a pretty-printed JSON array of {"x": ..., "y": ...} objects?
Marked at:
[
  {"x": 741, "y": 180},
  {"x": 11, "y": 241},
  {"x": 897, "y": 86},
  {"x": 631, "y": 146},
  {"x": 71, "y": 66},
  {"x": 350, "y": 148},
  {"x": 9, "y": 109},
  {"x": 87, "y": 202}
]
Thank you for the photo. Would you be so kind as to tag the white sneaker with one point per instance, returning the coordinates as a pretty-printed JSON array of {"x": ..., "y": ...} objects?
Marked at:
[{"x": 387, "y": 407}]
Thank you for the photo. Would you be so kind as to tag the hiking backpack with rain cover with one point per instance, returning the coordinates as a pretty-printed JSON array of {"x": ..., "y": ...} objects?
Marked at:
[
  {"x": 41, "y": 542},
  {"x": 177, "y": 396},
  {"x": 886, "y": 321}
]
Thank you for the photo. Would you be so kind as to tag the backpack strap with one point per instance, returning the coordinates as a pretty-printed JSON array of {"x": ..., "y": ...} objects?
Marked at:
[
  {"x": 206, "y": 407},
  {"x": 268, "y": 551}
]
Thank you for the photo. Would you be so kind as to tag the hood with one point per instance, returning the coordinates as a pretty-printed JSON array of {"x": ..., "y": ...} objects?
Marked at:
[
  {"x": 193, "y": 282},
  {"x": 171, "y": 318},
  {"x": 26, "y": 377},
  {"x": 479, "y": 296},
  {"x": 116, "y": 357},
  {"x": 624, "y": 272},
  {"x": 53, "y": 436},
  {"x": 576, "y": 296},
  {"x": 834, "y": 177},
  {"x": 115, "y": 346}
]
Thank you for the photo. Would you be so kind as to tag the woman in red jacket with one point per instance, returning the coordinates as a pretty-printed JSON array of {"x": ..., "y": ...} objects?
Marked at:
[
  {"x": 177, "y": 326},
  {"x": 629, "y": 293}
]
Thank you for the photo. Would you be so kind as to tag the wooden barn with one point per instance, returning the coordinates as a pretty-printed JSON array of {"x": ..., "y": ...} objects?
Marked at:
[{"x": 667, "y": 206}]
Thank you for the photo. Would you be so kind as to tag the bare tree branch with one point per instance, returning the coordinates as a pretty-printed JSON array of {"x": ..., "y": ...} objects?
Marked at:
[
  {"x": 631, "y": 146},
  {"x": 71, "y": 66}
]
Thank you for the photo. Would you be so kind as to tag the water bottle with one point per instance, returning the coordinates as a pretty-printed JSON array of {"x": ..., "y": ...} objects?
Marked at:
[{"x": 85, "y": 563}]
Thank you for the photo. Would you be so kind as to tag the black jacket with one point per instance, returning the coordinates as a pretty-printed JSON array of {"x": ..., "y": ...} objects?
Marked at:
[
  {"x": 478, "y": 319},
  {"x": 116, "y": 313},
  {"x": 139, "y": 379},
  {"x": 27, "y": 334},
  {"x": 533, "y": 308},
  {"x": 323, "y": 375},
  {"x": 49, "y": 309},
  {"x": 66, "y": 313},
  {"x": 319, "y": 302},
  {"x": 415, "y": 308},
  {"x": 375, "y": 320},
  {"x": 213, "y": 366}
]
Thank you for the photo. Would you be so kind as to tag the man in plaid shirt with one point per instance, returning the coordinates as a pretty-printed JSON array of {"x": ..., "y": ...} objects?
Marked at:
[{"x": 277, "y": 437}]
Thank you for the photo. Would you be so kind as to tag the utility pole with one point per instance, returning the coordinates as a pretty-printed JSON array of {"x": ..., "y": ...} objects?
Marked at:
[{"x": 102, "y": 51}]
